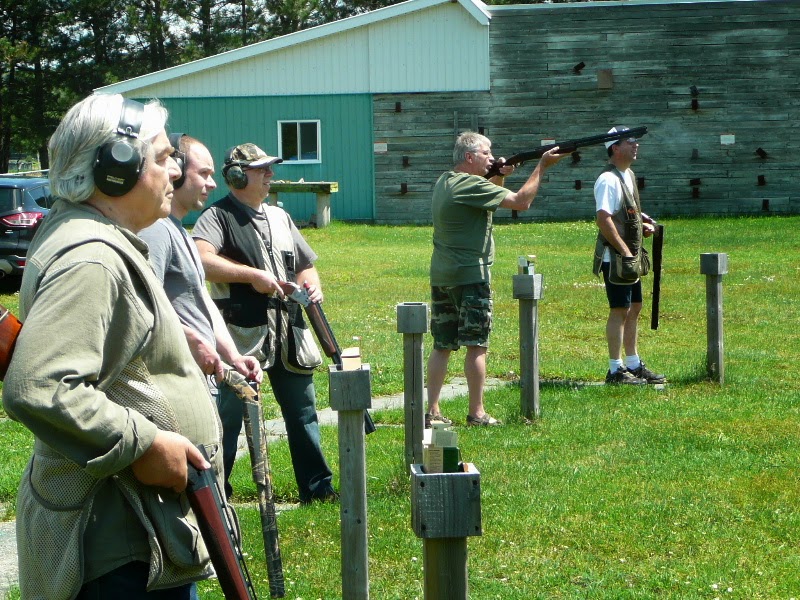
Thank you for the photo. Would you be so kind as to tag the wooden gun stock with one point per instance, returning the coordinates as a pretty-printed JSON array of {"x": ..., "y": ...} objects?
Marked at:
[
  {"x": 218, "y": 533},
  {"x": 322, "y": 329},
  {"x": 658, "y": 250},
  {"x": 565, "y": 147},
  {"x": 9, "y": 332}
]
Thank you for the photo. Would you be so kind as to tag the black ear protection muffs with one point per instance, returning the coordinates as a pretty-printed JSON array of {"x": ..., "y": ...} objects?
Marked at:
[
  {"x": 233, "y": 172},
  {"x": 179, "y": 157},
  {"x": 119, "y": 163}
]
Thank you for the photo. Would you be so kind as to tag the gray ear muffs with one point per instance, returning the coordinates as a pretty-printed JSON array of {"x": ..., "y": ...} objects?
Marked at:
[
  {"x": 233, "y": 173},
  {"x": 119, "y": 162},
  {"x": 179, "y": 157}
]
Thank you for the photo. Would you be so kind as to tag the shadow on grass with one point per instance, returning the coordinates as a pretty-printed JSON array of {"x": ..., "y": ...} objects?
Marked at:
[{"x": 10, "y": 285}]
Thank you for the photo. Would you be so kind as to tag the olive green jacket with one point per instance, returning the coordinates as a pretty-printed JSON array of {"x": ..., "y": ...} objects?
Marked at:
[{"x": 101, "y": 364}]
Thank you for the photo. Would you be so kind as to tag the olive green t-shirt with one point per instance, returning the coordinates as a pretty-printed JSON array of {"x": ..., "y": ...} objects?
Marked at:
[{"x": 463, "y": 247}]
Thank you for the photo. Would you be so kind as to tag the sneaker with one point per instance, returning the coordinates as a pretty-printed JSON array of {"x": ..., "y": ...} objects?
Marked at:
[
  {"x": 623, "y": 376},
  {"x": 486, "y": 420},
  {"x": 429, "y": 418},
  {"x": 642, "y": 372}
]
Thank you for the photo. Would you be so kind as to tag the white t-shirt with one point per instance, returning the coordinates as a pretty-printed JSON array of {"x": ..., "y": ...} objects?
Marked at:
[{"x": 608, "y": 195}]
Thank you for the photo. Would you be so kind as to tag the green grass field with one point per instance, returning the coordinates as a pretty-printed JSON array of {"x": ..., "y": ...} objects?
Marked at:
[{"x": 688, "y": 492}]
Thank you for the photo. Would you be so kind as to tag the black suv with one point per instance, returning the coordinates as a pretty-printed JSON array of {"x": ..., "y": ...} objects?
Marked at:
[{"x": 24, "y": 202}]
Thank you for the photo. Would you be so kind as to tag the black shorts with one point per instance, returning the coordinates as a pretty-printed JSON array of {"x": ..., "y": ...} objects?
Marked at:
[{"x": 621, "y": 296}]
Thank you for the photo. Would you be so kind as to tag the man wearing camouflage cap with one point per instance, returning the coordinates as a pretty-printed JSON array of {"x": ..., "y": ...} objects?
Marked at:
[{"x": 247, "y": 247}]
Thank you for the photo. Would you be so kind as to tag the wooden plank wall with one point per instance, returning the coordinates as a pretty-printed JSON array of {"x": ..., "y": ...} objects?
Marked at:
[{"x": 642, "y": 64}]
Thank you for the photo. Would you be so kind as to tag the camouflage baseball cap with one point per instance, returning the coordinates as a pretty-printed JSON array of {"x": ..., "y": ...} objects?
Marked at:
[{"x": 249, "y": 155}]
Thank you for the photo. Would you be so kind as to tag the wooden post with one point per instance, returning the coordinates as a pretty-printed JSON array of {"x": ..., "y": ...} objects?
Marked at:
[
  {"x": 528, "y": 288},
  {"x": 445, "y": 510},
  {"x": 714, "y": 266},
  {"x": 351, "y": 395},
  {"x": 412, "y": 322}
]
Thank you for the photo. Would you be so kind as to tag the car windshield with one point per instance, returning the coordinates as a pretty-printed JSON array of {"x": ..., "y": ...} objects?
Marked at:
[{"x": 7, "y": 199}]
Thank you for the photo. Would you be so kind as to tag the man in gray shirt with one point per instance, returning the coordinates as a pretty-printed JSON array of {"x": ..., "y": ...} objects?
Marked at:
[{"x": 176, "y": 262}]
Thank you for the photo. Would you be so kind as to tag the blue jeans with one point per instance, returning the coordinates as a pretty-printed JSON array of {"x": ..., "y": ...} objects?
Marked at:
[
  {"x": 129, "y": 582},
  {"x": 297, "y": 400}
]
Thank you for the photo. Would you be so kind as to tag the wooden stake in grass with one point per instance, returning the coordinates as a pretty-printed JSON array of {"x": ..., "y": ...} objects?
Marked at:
[
  {"x": 412, "y": 322},
  {"x": 351, "y": 395},
  {"x": 528, "y": 288},
  {"x": 445, "y": 510},
  {"x": 714, "y": 266}
]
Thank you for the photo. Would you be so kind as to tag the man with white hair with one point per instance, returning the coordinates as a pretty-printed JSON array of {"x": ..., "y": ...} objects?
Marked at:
[
  {"x": 103, "y": 377},
  {"x": 463, "y": 205}
]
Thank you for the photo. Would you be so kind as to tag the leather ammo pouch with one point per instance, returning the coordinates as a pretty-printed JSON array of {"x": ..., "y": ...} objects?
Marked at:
[{"x": 9, "y": 330}]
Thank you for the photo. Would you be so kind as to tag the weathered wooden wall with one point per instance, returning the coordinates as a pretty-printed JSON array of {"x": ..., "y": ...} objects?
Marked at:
[{"x": 642, "y": 64}]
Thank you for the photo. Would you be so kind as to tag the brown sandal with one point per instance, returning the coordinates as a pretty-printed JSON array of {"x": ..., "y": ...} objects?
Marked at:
[
  {"x": 485, "y": 421},
  {"x": 429, "y": 419}
]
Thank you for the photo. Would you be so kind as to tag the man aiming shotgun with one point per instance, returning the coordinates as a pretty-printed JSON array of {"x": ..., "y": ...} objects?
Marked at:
[{"x": 463, "y": 206}]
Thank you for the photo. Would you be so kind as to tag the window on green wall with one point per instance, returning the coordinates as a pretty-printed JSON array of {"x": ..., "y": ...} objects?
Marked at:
[{"x": 299, "y": 141}]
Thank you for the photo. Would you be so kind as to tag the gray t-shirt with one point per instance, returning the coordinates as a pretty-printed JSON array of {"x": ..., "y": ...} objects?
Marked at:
[{"x": 176, "y": 263}]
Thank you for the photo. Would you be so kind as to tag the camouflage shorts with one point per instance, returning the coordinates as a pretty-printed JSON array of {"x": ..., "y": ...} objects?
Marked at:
[{"x": 461, "y": 316}]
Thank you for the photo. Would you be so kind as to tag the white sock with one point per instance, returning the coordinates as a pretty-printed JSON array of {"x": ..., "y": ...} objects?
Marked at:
[
  {"x": 614, "y": 364},
  {"x": 632, "y": 362}
]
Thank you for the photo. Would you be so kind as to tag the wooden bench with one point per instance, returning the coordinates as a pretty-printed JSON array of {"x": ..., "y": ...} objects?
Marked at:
[{"x": 323, "y": 190}]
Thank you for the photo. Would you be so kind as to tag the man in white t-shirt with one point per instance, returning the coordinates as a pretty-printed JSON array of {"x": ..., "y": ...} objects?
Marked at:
[{"x": 622, "y": 227}]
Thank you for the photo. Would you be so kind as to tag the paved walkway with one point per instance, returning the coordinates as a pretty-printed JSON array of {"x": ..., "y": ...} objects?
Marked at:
[{"x": 276, "y": 429}]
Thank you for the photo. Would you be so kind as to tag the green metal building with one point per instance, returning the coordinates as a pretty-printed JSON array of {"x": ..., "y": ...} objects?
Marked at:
[{"x": 375, "y": 101}]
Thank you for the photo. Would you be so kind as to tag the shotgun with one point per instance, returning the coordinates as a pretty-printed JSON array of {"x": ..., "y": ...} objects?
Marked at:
[
  {"x": 658, "y": 249},
  {"x": 322, "y": 329},
  {"x": 565, "y": 147},
  {"x": 219, "y": 533},
  {"x": 259, "y": 460}
]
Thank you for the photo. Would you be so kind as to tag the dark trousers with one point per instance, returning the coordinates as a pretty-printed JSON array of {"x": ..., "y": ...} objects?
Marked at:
[
  {"x": 297, "y": 400},
  {"x": 129, "y": 582}
]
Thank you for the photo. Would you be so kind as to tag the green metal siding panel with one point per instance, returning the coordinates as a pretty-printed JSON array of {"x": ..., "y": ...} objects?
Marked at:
[{"x": 346, "y": 134}]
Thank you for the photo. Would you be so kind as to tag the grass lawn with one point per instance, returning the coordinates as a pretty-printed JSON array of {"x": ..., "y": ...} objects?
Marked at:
[{"x": 689, "y": 492}]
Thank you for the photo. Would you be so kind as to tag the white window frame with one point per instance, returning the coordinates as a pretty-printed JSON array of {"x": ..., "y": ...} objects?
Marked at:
[{"x": 298, "y": 122}]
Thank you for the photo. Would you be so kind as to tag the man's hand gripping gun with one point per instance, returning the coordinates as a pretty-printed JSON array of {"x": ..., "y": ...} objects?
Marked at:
[
  {"x": 322, "y": 329},
  {"x": 219, "y": 533},
  {"x": 215, "y": 521}
]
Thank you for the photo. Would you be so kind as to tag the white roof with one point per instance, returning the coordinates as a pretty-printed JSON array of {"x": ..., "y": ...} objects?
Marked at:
[{"x": 413, "y": 46}]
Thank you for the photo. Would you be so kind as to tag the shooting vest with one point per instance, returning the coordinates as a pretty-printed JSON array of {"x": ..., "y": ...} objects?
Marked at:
[
  {"x": 260, "y": 324},
  {"x": 628, "y": 222}
]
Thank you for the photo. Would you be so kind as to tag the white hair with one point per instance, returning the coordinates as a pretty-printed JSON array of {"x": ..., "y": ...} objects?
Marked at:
[
  {"x": 86, "y": 127},
  {"x": 469, "y": 141}
]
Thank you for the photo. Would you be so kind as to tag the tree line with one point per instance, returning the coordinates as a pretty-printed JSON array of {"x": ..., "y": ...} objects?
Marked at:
[{"x": 55, "y": 52}]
